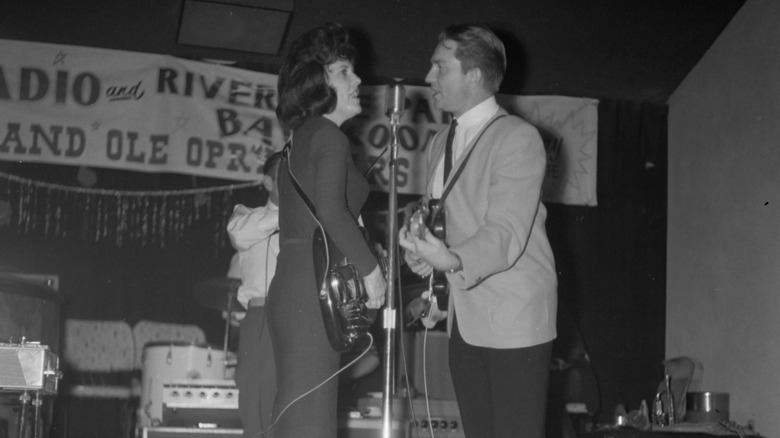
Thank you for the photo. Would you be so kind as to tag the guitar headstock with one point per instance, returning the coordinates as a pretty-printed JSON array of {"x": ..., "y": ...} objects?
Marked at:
[
  {"x": 417, "y": 225},
  {"x": 428, "y": 215}
]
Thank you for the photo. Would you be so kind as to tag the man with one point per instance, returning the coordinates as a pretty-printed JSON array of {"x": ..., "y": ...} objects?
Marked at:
[
  {"x": 497, "y": 259},
  {"x": 253, "y": 233}
]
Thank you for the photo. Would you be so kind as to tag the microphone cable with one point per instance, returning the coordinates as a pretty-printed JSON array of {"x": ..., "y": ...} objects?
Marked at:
[{"x": 368, "y": 171}]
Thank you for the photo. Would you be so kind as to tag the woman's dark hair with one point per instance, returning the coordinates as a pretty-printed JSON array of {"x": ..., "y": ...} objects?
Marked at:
[{"x": 303, "y": 82}]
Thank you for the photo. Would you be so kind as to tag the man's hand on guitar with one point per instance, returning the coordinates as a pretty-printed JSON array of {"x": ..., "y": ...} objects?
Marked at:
[
  {"x": 427, "y": 254},
  {"x": 415, "y": 262}
]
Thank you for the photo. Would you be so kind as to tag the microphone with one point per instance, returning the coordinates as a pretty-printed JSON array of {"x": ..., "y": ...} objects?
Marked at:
[{"x": 395, "y": 101}]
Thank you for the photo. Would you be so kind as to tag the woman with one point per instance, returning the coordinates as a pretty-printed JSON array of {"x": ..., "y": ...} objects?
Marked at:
[{"x": 318, "y": 91}]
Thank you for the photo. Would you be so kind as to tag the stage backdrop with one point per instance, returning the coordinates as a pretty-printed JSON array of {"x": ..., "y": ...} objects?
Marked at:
[{"x": 81, "y": 106}]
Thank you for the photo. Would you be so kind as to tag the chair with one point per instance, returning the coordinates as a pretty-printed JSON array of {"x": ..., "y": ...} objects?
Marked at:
[{"x": 100, "y": 357}]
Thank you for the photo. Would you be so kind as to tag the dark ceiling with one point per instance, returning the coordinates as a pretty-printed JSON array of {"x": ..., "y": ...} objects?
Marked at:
[{"x": 621, "y": 49}]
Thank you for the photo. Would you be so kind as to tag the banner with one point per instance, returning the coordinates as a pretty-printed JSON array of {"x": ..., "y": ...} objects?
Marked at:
[
  {"x": 150, "y": 113},
  {"x": 568, "y": 127},
  {"x": 83, "y": 106}
]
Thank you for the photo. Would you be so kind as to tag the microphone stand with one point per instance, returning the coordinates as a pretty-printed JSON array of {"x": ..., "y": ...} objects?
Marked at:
[{"x": 392, "y": 268}]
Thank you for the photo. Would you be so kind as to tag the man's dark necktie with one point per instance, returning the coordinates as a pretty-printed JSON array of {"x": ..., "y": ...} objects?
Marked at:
[{"x": 448, "y": 150}]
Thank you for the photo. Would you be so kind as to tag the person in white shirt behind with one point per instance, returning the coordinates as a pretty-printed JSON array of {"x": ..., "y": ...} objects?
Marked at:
[{"x": 254, "y": 234}]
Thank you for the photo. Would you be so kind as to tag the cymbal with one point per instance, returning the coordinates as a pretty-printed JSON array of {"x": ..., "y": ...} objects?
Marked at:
[{"x": 217, "y": 293}]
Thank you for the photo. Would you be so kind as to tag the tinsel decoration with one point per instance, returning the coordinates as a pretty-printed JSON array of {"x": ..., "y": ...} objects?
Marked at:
[{"x": 120, "y": 217}]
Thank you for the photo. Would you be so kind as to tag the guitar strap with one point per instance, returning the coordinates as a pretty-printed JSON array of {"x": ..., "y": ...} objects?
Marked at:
[
  {"x": 441, "y": 291},
  {"x": 298, "y": 188},
  {"x": 341, "y": 293},
  {"x": 463, "y": 163},
  {"x": 306, "y": 200}
]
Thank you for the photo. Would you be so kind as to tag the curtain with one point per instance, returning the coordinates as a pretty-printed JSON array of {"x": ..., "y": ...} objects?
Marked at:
[{"x": 611, "y": 259}]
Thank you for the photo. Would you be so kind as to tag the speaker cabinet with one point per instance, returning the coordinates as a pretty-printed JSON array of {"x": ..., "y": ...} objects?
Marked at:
[
  {"x": 188, "y": 432},
  {"x": 427, "y": 364},
  {"x": 418, "y": 418},
  {"x": 370, "y": 428},
  {"x": 30, "y": 307},
  {"x": 257, "y": 26}
]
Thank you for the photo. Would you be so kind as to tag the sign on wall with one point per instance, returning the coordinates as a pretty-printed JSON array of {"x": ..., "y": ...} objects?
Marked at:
[
  {"x": 567, "y": 125},
  {"x": 82, "y": 106},
  {"x": 150, "y": 113}
]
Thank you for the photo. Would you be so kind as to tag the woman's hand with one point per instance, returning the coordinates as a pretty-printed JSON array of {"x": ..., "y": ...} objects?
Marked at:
[{"x": 376, "y": 287}]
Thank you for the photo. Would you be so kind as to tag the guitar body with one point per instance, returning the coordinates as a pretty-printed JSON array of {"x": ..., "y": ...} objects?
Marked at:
[
  {"x": 342, "y": 294},
  {"x": 431, "y": 216}
]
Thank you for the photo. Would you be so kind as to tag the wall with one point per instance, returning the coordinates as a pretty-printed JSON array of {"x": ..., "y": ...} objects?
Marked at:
[
  {"x": 724, "y": 213},
  {"x": 604, "y": 49}
]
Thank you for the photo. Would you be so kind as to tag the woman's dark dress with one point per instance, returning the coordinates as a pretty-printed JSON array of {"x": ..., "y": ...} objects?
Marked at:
[{"x": 322, "y": 163}]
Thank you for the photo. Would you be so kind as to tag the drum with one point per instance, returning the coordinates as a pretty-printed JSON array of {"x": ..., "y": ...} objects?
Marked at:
[{"x": 165, "y": 362}]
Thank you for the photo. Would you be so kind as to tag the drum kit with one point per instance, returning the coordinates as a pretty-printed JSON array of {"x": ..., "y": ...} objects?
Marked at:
[
  {"x": 183, "y": 383},
  {"x": 189, "y": 377},
  {"x": 185, "y": 380},
  {"x": 220, "y": 293}
]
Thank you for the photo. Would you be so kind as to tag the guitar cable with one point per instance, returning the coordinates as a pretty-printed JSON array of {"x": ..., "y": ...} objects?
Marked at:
[
  {"x": 407, "y": 383},
  {"x": 340, "y": 370},
  {"x": 406, "y": 378},
  {"x": 415, "y": 424},
  {"x": 264, "y": 433},
  {"x": 316, "y": 387},
  {"x": 425, "y": 365}
]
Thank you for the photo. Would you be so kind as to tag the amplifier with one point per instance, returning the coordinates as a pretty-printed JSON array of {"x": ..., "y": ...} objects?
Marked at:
[
  {"x": 203, "y": 404},
  {"x": 218, "y": 394},
  {"x": 370, "y": 428},
  {"x": 419, "y": 419},
  {"x": 29, "y": 367},
  {"x": 188, "y": 432}
]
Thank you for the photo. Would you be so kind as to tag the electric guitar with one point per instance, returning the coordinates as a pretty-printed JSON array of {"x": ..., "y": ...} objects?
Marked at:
[
  {"x": 342, "y": 293},
  {"x": 341, "y": 290},
  {"x": 431, "y": 216}
]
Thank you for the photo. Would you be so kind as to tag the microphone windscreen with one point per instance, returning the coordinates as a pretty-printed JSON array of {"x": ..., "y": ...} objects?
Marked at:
[{"x": 395, "y": 100}]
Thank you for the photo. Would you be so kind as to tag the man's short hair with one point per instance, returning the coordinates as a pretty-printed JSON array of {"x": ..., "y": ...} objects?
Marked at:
[{"x": 478, "y": 47}]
